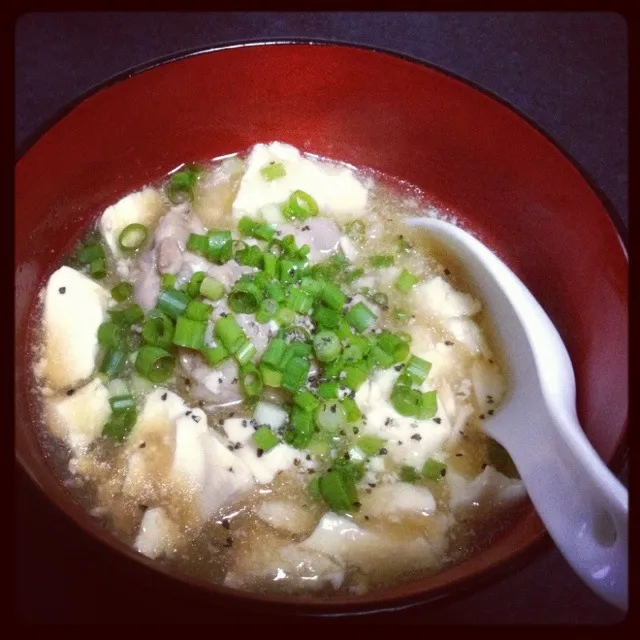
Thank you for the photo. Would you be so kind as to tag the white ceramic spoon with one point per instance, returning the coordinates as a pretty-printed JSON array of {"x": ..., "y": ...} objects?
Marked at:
[{"x": 582, "y": 504}]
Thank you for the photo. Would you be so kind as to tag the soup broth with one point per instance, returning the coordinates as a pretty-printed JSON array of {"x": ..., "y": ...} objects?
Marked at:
[{"x": 254, "y": 372}]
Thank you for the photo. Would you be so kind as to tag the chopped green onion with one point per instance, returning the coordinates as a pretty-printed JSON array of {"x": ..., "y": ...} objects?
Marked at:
[
  {"x": 182, "y": 184},
  {"x": 371, "y": 445},
  {"x": 265, "y": 439},
  {"x": 229, "y": 334},
  {"x": 254, "y": 229},
  {"x": 157, "y": 329},
  {"x": 211, "y": 288},
  {"x": 351, "y": 409},
  {"x": 314, "y": 485},
  {"x": 122, "y": 291},
  {"x": 356, "y": 230},
  {"x": 328, "y": 390},
  {"x": 343, "y": 330},
  {"x": 299, "y": 301},
  {"x": 381, "y": 261},
  {"x": 299, "y": 334},
  {"x": 333, "y": 369},
  {"x": 326, "y": 318},
  {"x": 352, "y": 275},
  {"x": 110, "y": 334},
  {"x": 405, "y": 282},
  {"x": 326, "y": 345},
  {"x": 418, "y": 369},
  {"x": 132, "y": 237},
  {"x": 333, "y": 296},
  {"x": 306, "y": 400},
  {"x": 189, "y": 333},
  {"x": 219, "y": 246},
  {"x": 168, "y": 281},
  {"x": 124, "y": 402},
  {"x": 197, "y": 243},
  {"x": 434, "y": 470},
  {"x": 270, "y": 377},
  {"x": 199, "y": 311},
  {"x": 114, "y": 361},
  {"x": 320, "y": 445},
  {"x": 273, "y": 170},
  {"x": 338, "y": 491},
  {"x": 406, "y": 401},
  {"x": 352, "y": 353},
  {"x": 409, "y": 474},
  {"x": 394, "y": 345},
  {"x": 360, "y": 317},
  {"x": 301, "y": 430},
  {"x": 98, "y": 269},
  {"x": 381, "y": 300},
  {"x": 289, "y": 270},
  {"x": 119, "y": 425},
  {"x": 428, "y": 406},
  {"x": 274, "y": 352},
  {"x": 251, "y": 256},
  {"x": 275, "y": 291},
  {"x": 90, "y": 253},
  {"x": 251, "y": 381},
  {"x": 267, "y": 311},
  {"x": 300, "y": 206},
  {"x": 173, "y": 303},
  {"x": 402, "y": 316},
  {"x": 330, "y": 416},
  {"x": 356, "y": 374},
  {"x": 246, "y": 352},
  {"x": 193, "y": 288},
  {"x": 214, "y": 355},
  {"x": 312, "y": 286},
  {"x": 285, "y": 317},
  {"x": 269, "y": 264},
  {"x": 381, "y": 358},
  {"x": 295, "y": 373},
  {"x": 245, "y": 297}
]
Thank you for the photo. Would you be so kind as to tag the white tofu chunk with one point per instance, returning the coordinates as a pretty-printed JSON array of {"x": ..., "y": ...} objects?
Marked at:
[
  {"x": 270, "y": 414},
  {"x": 158, "y": 534},
  {"x": 160, "y": 411},
  {"x": 438, "y": 298},
  {"x": 74, "y": 308},
  {"x": 286, "y": 516},
  {"x": 467, "y": 333},
  {"x": 336, "y": 189},
  {"x": 142, "y": 207},
  {"x": 189, "y": 462},
  {"x": 490, "y": 487},
  {"x": 399, "y": 431},
  {"x": 488, "y": 384},
  {"x": 78, "y": 419},
  {"x": 393, "y": 501}
]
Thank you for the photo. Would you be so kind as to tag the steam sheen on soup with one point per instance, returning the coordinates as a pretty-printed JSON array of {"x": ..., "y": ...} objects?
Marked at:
[{"x": 254, "y": 372}]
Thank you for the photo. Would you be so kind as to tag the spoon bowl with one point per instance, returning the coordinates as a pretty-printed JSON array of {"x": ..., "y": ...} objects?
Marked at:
[{"x": 582, "y": 504}]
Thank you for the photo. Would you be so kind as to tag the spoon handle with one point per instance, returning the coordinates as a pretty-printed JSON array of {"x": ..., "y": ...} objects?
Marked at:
[{"x": 583, "y": 505}]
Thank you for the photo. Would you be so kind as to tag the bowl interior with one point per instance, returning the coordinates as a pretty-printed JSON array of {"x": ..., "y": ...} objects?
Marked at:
[{"x": 471, "y": 154}]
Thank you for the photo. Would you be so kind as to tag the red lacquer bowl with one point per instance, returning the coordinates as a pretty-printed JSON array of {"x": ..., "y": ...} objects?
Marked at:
[{"x": 474, "y": 155}]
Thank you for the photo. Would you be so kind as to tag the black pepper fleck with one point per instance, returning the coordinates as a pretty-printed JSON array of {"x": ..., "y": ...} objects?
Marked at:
[
  {"x": 296, "y": 462},
  {"x": 398, "y": 367},
  {"x": 223, "y": 314},
  {"x": 447, "y": 272},
  {"x": 366, "y": 517},
  {"x": 481, "y": 416},
  {"x": 388, "y": 421},
  {"x": 195, "y": 418},
  {"x": 333, "y": 408},
  {"x": 188, "y": 413},
  {"x": 234, "y": 381},
  {"x": 342, "y": 433},
  {"x": 219, "y": 380},
  {"x": 226, "y": 524},
  {"x": 260, "y": 453},
  {"x": 437, "y": 420},
  {"x": 356, "y": 431},
  {"x": 308, "y": 457},
  {"x": 372, "y": 485},
  {"x": 163, "y": 396},
  {"x": 490, "y": 412},
  {"x": 357, "y": 504},
  {"x": 229, "y": 542},
  {"x": 62, "y": 289},
  {"x": 231, "y": 469},
  {"x": 347, "y": 456},
  {"x": 70, "y": 392},
  {"x": 143, "y": 445},
  {"x": 459, "y": 455},
  {"x": 383, "y": 452},
  {"x": 448, "y": 343},
  {"x": 416, "y": 436}
]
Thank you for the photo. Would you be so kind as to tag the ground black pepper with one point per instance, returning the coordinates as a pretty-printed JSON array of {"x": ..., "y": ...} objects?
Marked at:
[
  {"x": 383, "y": 452},
  {"x": 163, "y": 396},
  {"x": 260, "y": 453},
  {"x": 70, "y": 392},
  {"x": 62, "y": 289},
  {"x": 437, "y": 420},
  {"x": 448, "y": 343},
  {"x": 225, "y": 523},
  {"x": 195, "y": 418},
  {"x": 416, "y": 436},
  {"x": 143, "y": 445}
]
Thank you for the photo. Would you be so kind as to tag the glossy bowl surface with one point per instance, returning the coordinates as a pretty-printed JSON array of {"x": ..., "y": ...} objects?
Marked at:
[{"x": 471, "y": 153}]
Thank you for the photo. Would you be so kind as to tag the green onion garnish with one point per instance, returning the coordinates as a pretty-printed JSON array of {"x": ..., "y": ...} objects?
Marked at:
[
  {"x": 406, "y": 401},
  {"x": 299, "y": 301},
  {"x": 173, "y": 303},
  {"x": 182, "y": 185},
  {"x": 219, "y": 246},
  {"x": 193, "y": 288},
  {"x": 405, "y": 282},
  {"x": 300, "y": 206},
  {"x": 371, "y": 445},
  {"x": 326, "y": 345},
  {"x": 168, "y": 281},
  {"x": 251, "y": 381},
  {"x": 198, "y": 311},
  {"x": 114, "y": 361},
  {"x": 119, "y": 425},
  {"x": 197, "y": 244},
  {"x": 91, "y": 252},
  {"x": 214, "y": 355},
  {"x": 356, "y": 230},
  {"x": 254, "y": 229},
  {"x": 110, "y": 334},
  {"x": 295, "y": 373},
  {"x": 157, "y": 329},
  {"x": 409, "y": 474},
  {"x": 326, "y": 318},
  {"x": 428, "y": 407},
  {"x": 154, "y": 363},
  {"x": 418, "y": 369},
  {"x": 245, "y": 297},
  {"x": 356, "y": 374},
  {"x": 246, "y": 352},
  {"x": 381, "y": 261},
  {"x": 332, "y": 296},
  {"x": 274, "y": 352},
  {"x": 351, "y": 409},
  {"x": 434, "y": 470},
  {"x": 328, "y": 390},
  {"x": 270, "y": 377},
  {"x": 273, "y": 171},
  {"x": 132, "y": 237},
  {"x": 360, "y": 317},
  {"x": 122, "y": 403},
  {"x": 229, "y": 334},
  {"x": 285, "y": 317},
  {"x": 330, "y": 416},
  {"x": 301, "y": 430},
  {"x": 267, "y": 311},
  {"x": 211, "y": 288},
  {"x": 306, "y": 400},
  {"x": 189, "y": 333},
  {"x": 122, "y": 291},
  {"x": 265, "y": 439},
  {"x": 98, "y": 269}
]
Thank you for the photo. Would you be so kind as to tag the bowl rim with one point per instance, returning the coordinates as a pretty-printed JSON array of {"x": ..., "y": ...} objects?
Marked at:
[{"x": 375, "y": 601}]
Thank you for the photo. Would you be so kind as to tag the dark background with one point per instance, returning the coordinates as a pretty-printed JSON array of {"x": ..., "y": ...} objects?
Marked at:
[{"x": 568, "y": 72}]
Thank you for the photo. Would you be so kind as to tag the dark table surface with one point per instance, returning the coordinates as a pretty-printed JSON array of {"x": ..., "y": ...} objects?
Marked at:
[{"x": 568, "y": 72}]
